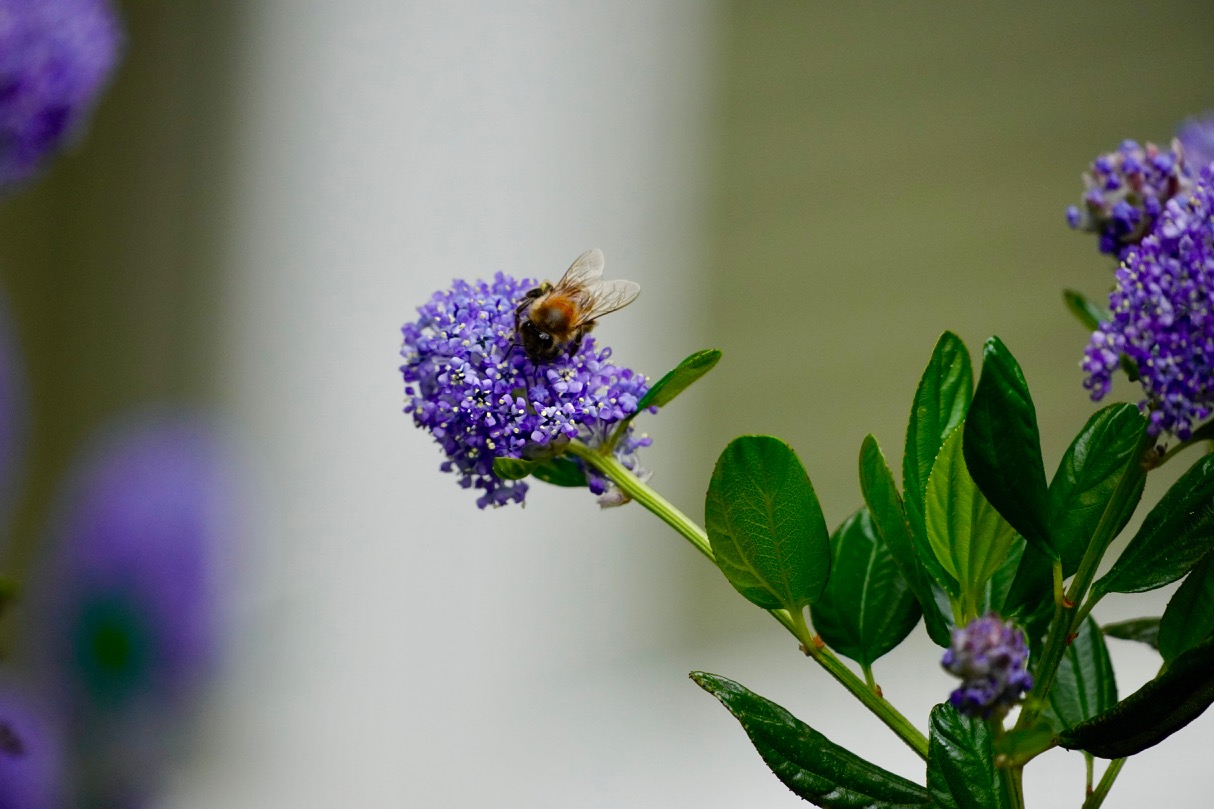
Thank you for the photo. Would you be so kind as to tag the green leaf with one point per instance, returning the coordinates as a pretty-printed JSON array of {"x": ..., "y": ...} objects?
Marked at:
[
  {"x": 560, "y": 472},
  {"x": 969, "y": 537},
  {"x": 1189, "y": 618},
  {"x": 512, "y": 468},
  {"x": 867, "y": 607},
  {"x": 998, "y": 587},
  {"x": 885, "y": 506},
  {"x": 1025, "y": 743},
  {"x": 1086, "y": 312},
  {"x": 680, "y": 379},
  {"x": 1177, "y": 533},
  {"x": 808, "y": 763},
  {"x": 960, "y": 768},
  {"x": 1142, "y": 630},
  {"x": 1152, "y": 713},
  {"x": 1032, "y": 589},
  {"x": 1084, "y": 685},
  {"x": 940, "y": 404},
  {"x": 1106, "y": 449},
  {"x": 1003, "y": 447},
  {"x": 765, "y": 524}
]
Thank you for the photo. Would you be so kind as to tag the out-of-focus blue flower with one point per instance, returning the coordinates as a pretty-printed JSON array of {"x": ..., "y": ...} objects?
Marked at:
[
  {"x": 1126, "y": 190},
  {"x": 125, "y": 613},
  {"x": 991, "y": 658},
  {"x": 55, "y": 57},
  {"x": 31, "y": 755},
  {"x": 1196, "y": 135},
  {"x": 131, "y": 596},
  {"x": 1163, "y": 316},
  {"x": 474, "y": 389}
]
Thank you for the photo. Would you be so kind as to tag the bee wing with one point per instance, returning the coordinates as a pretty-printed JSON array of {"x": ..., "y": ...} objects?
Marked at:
[
  {"x": 585, "y": 271},
  {"x": 607, "y": 296}
]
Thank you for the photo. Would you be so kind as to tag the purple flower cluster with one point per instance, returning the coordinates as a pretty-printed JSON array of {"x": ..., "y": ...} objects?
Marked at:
[
  {"x": 125, "y": 620},
  {"x": 1163, "y": 316},
  {"x": 130, "y": 612},
  {"x": 31, "y": 754},
  {"x": 991, "y": 658},
  {"x": 55, "y": 57},
  {"x": 1126, "y": 190},
  {"x": 470, "y": 384},
  {"x": 1196, "y": 135}
]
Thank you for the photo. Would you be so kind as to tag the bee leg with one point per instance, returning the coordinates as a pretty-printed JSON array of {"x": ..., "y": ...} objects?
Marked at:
[{"x": 576, "y": 345}]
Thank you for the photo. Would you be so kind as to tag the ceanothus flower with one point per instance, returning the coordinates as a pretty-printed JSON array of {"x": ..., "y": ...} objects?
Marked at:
[
  {"x": 55, "y": 57},
  {"x": 991, "y": 658},
  {"x": 32, "y": 773},
  {"x": 1126, "y": 190},
  {"x": 126, "y": 623},
  {"x": 1163, "y": 316},
  {"x": 470, "y": 384},
  {"x": 130, "y": 612},
  {"x": 1196, "y": 135}
]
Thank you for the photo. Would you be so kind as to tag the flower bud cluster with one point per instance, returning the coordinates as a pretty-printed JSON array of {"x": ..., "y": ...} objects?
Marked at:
[
  {"x": 991, "y": 658},
  {"x": 1125, "y": 192}
]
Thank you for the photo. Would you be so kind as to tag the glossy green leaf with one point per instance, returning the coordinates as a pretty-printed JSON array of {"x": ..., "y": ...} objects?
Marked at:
[
  {"x": 867, "y": 607},
  {"x": 1024, "y": 743},
  {"x": 969, "y": 537},
  {"x": 560, "y": 472},
  {"x": 1082, "y": 489},
  {"x": 1032, "y": 588},
  {"x": 1141, "y": 630},
  {"x": 1003, "y": 447},
  {"x": 1086, "y": 312},
  {"x": 940, "y": 404},
  {"x": 808, "y": 763},
  {"x": 1084, "y": 685},
  {"x": 888, "y": 514},
  {"x": 765, "y": 524},
  {"x": 999, "y": 585},
  {"x": 512, "y": 468},
  {"x": 1177, "y": 533},
  {"x": 960, "y": 768},
  {"x": 1152, "y": 713},
  {"x": 684, "y": 375},
  {"x": 1189, "y": 618}
]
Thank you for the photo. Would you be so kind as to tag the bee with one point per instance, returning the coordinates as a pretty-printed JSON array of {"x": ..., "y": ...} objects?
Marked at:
[{"x": 553, "y": 318}]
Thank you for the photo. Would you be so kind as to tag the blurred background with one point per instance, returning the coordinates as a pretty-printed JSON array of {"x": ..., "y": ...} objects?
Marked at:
[{"x": 267, "y": 191}]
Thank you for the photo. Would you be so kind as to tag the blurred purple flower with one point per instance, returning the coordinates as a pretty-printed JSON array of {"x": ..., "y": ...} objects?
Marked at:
[
  {"x": 1163, "y": 316},
  {"x": 55, "y": 57},
  {"x": 991, "y": 658},
  {"x": 31, "y": 755},
  {"x": 474, "y": 389},
  {"x": 1126, "y": 190},
  {"x": 130, "y": 592},
  {"x": 1196, "y": 135}
]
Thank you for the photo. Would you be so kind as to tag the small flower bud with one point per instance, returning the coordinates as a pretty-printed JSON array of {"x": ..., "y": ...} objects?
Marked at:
[{"x": 991, "y": 658}]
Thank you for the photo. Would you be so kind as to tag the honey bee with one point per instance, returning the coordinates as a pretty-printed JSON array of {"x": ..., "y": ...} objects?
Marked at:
[{"x": 553, "y": 318}]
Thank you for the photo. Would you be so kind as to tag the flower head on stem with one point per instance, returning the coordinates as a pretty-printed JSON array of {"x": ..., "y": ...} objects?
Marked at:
[{"x": 469, "y": 383}]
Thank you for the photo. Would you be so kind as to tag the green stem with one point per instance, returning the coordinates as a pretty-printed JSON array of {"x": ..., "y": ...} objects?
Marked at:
[
  {"x": 631, "y": 485},
  {"x": 1106, "y": 783},
  {"x": 868, "y": 677},
  {"x": 1202, "y": 433},
  {"x": 1065, "y": 622}
]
